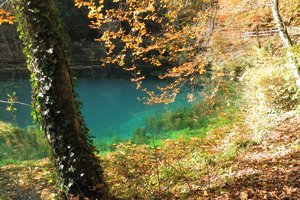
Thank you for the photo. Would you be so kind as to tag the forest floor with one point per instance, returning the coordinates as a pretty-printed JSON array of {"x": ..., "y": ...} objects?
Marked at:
[{"x": 268, "y": 170}]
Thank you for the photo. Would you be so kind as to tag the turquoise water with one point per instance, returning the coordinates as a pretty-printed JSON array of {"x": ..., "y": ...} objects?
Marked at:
[{"x": 110, "y": 106}]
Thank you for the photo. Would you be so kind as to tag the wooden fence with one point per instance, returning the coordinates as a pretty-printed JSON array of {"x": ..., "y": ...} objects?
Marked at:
[{"x": 295, "y": 31}]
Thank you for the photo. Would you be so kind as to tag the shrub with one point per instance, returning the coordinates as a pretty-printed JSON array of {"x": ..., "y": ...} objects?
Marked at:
[
  {"x": 172, "y": 120},
  {"x": 143, "y": 172},
  {"x": 18, "y": 144},
  {"x": 271, "y": 84},
  {"x": 107, "y": 144},
  {"x": 139, "y": 136},
  {"x": 269, "y": 89}
]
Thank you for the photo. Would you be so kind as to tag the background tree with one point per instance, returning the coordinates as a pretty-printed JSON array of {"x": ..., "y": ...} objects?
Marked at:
[
  {"x": 54, "y": 100},
  {"x": 286, "y": 40},
  {"x": 74, "y": 21}
]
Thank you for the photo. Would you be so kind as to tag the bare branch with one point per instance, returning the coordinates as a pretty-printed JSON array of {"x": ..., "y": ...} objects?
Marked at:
[
  {"x": 2, "y": 3},
  {"x": 14, "y": 102}
]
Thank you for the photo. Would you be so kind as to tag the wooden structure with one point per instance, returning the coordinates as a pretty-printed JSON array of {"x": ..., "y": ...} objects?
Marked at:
[{"x": 294, "y": 31}]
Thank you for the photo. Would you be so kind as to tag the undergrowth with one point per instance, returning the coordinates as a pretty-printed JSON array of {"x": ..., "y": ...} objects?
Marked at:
[
  {"x": 178, "y": 167},
  {"x": 18, "y": 144},
  {"x": 269, "y": 90}
]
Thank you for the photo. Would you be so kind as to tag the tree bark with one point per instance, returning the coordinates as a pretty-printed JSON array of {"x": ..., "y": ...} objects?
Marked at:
[
  {"x": 55, "y": 102},
  {"x": 286, "y": 40}
]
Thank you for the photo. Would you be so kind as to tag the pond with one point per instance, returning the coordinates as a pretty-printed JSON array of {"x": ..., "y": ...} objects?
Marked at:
[{"x": 110, "y": 106}]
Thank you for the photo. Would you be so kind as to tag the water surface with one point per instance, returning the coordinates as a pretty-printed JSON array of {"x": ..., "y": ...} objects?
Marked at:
[{"x": 110, "y": 106}]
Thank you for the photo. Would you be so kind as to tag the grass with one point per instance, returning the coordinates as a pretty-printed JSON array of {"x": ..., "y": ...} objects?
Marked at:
[{"x": 10, "y": 162}]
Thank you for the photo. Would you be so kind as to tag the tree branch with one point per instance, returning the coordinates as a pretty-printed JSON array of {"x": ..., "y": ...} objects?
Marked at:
[
  {"x": 14, "y": 102},
  {"x": 280, "y": 25},
  {"x": 3, "y": 3}
]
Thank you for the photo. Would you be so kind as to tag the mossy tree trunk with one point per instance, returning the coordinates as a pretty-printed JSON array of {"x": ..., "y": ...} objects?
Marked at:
[{"x": 55, "y": 102}]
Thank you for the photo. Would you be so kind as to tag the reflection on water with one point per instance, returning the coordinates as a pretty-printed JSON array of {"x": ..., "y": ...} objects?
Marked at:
[{"x": 110, "y": 106}]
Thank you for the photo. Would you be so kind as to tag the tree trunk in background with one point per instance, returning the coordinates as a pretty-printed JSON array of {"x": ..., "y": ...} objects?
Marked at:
[
  {"x": 286, "y": 40},
  {"x": 55, "y": 102}
]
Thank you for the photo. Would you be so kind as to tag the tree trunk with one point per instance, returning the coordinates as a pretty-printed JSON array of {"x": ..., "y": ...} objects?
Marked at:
[
  {"x": 286, "y": 40},
  {"x": 55, "y": 102}
]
